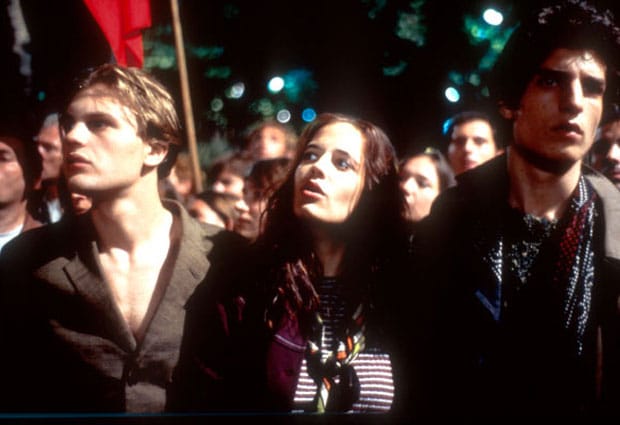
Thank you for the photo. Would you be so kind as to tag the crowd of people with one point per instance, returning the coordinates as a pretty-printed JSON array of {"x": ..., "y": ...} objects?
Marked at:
[{"x": 474, "y": 277}]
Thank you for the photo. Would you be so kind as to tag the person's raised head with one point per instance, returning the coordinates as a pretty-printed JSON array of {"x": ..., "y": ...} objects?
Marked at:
[
  {"x": 151, "y": 105},
  {"x": 570, "y": 24},
  {"x": 424, "y": 174},
  {"x": 271, "y": 139},
  {"x": 471, "y": 139},
  {"x": 344, "y": 175},
  {"x": 552, "y": 80}
]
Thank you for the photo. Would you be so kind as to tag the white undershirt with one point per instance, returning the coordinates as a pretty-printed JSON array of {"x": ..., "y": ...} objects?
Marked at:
[{"x": 5, "y": 237}]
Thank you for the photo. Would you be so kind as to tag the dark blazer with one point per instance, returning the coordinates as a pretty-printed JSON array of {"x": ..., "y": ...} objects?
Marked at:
[
  {"x": 474, "y": 370},
  {"x": 66, "y": 346}
]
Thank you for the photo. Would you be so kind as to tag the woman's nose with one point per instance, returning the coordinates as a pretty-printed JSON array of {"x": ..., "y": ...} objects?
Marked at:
[
  {"x": 319, "y": 167},
  {"x": 242, "y": 206}
]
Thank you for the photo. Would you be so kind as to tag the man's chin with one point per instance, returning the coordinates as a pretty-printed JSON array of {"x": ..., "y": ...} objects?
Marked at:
[{"x": 552, "y": 164}]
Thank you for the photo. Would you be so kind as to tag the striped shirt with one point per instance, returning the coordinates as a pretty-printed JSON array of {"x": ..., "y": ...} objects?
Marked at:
[{"x": 373, "y": 367}]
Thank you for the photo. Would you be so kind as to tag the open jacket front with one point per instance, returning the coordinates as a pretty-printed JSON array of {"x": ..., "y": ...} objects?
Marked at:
[
  {"x": 488, "y": 361},
  {"x": 67, "y": 347}
]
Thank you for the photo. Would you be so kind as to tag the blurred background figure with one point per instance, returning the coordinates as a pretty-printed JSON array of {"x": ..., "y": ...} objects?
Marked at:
[
  {"x": 80, "y": 203},
  {"x": 424, "y": 174},
  {"x": 47, "y": 204},
  {"x": 179, "y": 185},
  {"x": 471, "y": 140},
  {"x": 271, "y": 139},
  {"x": 73, "y": 203},
  {"x": 214, "y": 208},
  {"x": 228, "y": 172},
  {"x": 263, "y": 180},
  {"x": 20, "y": 168},
  {"x": 605, "y": 153}
]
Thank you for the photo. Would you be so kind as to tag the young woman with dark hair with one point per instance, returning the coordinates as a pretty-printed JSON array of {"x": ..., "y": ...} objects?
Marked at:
[{"x": 300, "y": 321}]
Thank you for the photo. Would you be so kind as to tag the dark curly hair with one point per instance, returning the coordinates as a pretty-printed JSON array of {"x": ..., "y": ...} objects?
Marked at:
[{"x": 571, "y": 24}]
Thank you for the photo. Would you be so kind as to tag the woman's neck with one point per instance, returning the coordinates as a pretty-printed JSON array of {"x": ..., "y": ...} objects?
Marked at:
[{"x": 329, "y": 251}]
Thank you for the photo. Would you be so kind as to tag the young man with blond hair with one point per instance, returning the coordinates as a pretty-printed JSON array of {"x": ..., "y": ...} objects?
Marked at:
[{"x": 93, "y": 306}]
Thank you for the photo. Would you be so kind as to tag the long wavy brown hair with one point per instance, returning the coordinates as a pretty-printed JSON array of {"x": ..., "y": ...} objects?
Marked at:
[{"x": 374, "y": 233}]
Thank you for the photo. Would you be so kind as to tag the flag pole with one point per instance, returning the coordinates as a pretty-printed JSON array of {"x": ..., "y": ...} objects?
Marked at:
[{"x": 185, "y": 94}]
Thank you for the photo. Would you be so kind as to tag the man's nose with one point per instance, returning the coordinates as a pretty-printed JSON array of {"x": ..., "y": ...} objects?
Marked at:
[
  {"x": 572, "y": 97},
  {"x": 469, "y": 145},
  {"x": 614, "y": 152},
  {"x": 78, "y": 133}
]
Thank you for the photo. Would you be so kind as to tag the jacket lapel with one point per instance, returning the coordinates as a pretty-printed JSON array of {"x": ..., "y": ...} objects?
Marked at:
[
  {"x": 189, "y": 269},
  {"x": 489, "y": 184},
  {"x": 84, "y": 272}
]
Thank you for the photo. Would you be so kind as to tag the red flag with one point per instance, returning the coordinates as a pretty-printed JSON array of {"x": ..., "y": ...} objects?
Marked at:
[{"x": 122, "y": 22}]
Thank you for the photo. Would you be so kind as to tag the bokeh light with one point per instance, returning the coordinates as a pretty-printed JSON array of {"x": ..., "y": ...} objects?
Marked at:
[
  {"x": 452, "y": 94},
  {"x": 236, "y": 91},
  {"x": 283, "y": 116},
  {"x": 275, "y": 84},
  {"x": 493, "y": 17},
  {"x": 217, "y": 104},
  {"x": 308, "y": 114}
]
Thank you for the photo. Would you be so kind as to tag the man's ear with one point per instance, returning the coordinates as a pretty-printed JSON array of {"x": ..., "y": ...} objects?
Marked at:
[
  {"x": 506, "y": 112},
  {"x": 156, "y": 152}
]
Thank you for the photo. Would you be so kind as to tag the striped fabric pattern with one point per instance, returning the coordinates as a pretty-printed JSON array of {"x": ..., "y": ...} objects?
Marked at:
[{"x": 373, "y": 368}]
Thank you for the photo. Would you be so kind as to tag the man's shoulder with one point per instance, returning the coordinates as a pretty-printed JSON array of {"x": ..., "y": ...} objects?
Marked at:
[
  {"x": 478, "y": 190},
  {"x": 41, "y": 248},
  {"x": 604, "y": 188},
  {"x": 203, "y": 234},
  {"x": 490, "y": 175},
  {"x": 48, "y": 237},
  {"x": 609, "y": 208}
]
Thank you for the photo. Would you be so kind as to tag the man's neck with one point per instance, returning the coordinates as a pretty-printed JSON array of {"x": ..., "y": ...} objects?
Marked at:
[
  {"x": 12, "y": 216},
  {"x": 134, "y": 237},
  {"x": 539, "y": 192},
  {"x": 131, "y": 222}
]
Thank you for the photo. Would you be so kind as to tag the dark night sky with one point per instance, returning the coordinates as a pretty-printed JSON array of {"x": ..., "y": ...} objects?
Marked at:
[{"x": 334, "y": 38}]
